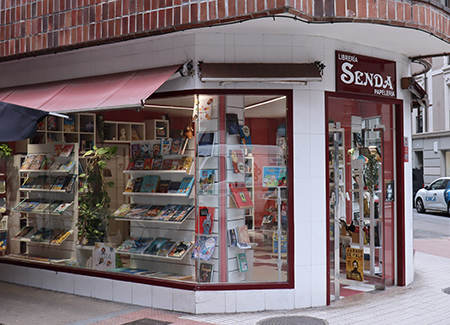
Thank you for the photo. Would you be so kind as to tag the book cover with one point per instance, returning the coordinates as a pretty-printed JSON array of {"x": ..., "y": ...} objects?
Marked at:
[
  {"x": 69, "y": 124},
  {"x": 205, "y": 144},
  {"x": 127, "y": 244},
  {"x": 146, "y": 151},
  {"x": 62, "y": 236},
  {"x": 206, "y": 272},
  {"x": 31, "y": 206},
  {"x": 186, "y": 185},
  {"x": 27, "y": 162},
  {"x": 156, "y": 150},
  {"x": 180, "y": 249},
  {"x": 67, "y": 166},
  {"x": 232, "y": 123},
  {"x": 242, "y": 262},
  {"x": 176, "y": 145},
  {"x": 59, "y": 183},
  {"x": 157, "y": 163},
  {"x": 244, "y": 133},
  {"x": 37, "y": 162},
  {"x": 3, "y": 240},
  {"x": 137, "y": 184},
  {"x": 130, "y": 185},
  {"x": 186, "y": 163},
  {"x": 48, "y": 162},
  {"x": 139, "y": 164},
  {"x": 71, "y": 182},
  {"x": 206, "y": 181},
  {"x": 168, "y": 212},
  {"x": 274, "y": 176},
  {"x": 23, "y": 232},
  {"x": 163, "y": 186},
  {"x": 204, "y": 247},
  {"x": 232, "y": 237},
  {"x": 153, "y": 212},
  {"x": 66, "y": 150},
  {"x": 135, "y": 150},
  {"x": 43, "y": 234},
  {"x": 104, "y": 256},
  {"x": 173, "y": 187},
  {"x": 205, "y": 220},
  {"x": 148, "y": 163},
  {"x": 166, "y": 145},
  {"x": 122, "y": 211},
  {"x": 175, "y": 164},
  {"x": 182, "y": 212},
  {"x": 62, "y": 207},
  {"x": 166, "y": 164},
  {"x": 183, "y": 146},
  {"x": 53, "y": 206},
  {"x": 240, "y": 195},
  {"x": 130, "y": 165},
  {"x": 237, "y": 159},
  {"x": 166, "y": 248},
  {"x": 138, "y": 211},
  {"x": 156, "y": 245},
  {"x": 149, "y": 184},
  {"x": 28, "y": 182},
  {"x": 204, "y": 107},
  {"x": 140, "y": 245}
]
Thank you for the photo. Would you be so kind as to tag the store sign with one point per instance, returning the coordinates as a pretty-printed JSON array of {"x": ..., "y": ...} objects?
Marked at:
[{"x": 365, "y": 75}]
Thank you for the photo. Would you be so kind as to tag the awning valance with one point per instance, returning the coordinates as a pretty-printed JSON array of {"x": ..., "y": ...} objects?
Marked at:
[
  {"x": 120, "y": 90},
  {"x": 261, "y": 72}
]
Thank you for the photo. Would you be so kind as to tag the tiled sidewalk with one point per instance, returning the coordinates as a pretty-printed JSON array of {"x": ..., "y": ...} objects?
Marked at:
[{"x": 423, "y": 302}]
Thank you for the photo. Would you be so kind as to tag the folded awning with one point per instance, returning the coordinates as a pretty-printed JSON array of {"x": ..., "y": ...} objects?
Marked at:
[
  {"x": 261, "y": 72},
  {"x": 113, "y": 91}
]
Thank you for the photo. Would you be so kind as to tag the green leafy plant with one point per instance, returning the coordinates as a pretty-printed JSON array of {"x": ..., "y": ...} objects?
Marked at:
[
  {"x": 93, "y": 209},
  {"x": 5, "y": 150},
  {"x": 371, "y": 173}
]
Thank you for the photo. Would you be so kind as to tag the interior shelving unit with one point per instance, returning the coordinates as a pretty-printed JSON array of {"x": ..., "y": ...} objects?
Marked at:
[{"x": 123, "y": 132}]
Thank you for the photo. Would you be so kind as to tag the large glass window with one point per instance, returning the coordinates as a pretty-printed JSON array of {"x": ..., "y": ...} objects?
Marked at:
[{"x": 191, "y": 188}]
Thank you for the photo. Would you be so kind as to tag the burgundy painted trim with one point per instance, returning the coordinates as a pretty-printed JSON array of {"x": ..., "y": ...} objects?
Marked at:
[
  {"x": 194, "y": 286},
  {"x": 223, "y": 198}
]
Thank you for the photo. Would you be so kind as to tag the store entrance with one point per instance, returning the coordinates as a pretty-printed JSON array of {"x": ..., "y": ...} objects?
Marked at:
[{"x": 361, "y": 160}]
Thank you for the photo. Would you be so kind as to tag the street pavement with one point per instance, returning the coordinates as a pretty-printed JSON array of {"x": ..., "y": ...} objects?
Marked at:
[{"x": 423, "y": 302}]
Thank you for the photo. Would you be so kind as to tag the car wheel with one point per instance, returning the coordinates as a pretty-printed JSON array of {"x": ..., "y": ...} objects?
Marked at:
[{"x": 419, "y": 206}]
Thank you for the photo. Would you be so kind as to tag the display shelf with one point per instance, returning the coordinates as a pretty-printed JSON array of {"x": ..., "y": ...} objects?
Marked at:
[
  {"x": 178, "y": 195},
  {"x": 123, "y": 132},
  {"x": 156, "y": 129}
]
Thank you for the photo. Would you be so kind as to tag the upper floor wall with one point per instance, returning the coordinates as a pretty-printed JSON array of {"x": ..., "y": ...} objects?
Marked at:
[{"x": 34, "y": 27}]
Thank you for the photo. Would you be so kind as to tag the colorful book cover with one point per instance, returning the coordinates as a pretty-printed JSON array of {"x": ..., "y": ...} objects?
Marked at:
[
  {"x": 23, "y": 232},
  {"x": 242, "y": 262},
  {"x": 140, "y": 245},
  {"x": 62, "y": 207},
  {"x": 175, "y": 164},
  {"x": 138, "y": 211},
  {"x": 53, "y": 206},
  {"x": 237, "y": 159},
  {"x": 156, "y": 150},
  {"x": 122, "y": 211},
  {"x": 244, "y": 132},
  {"x": 168, "y": 212},
  {"x": 240, "y": 195},
  {"x": 130, "y": 185},
  {"x": 104, "y": 256},
  {"x": 67, "y": 166},
  {"x": 206, "y": 272},
  {"x": 127, "y": 244},
  {"x": 186, "y": 163},
  {"x": 69, "y": 124},
  {"x": 146, "y": 151},
  {"x": 137, "y": 184},
  {"x": 156, "y": 245},
  {"x": 166, "y": 164},
  {"x": 204, "y": 247},
  {"x": 71, "y": 182},
  {"x": 206, "y": 181},
  {"x": 48, "y": 162},
  {"x": 157, "y": 163},
  {"x": 163, "y": 186},
  {"x": 182, "y": 212},
  {"x": 130, "y": 165},
  {"x": 205, "y": 220},
  {"x": 186, "y": 185},
  {"x": 62, "y": 236},
  {"x": 204, "y": 107},
  {"x": 176, "y": 145},
  {"x": 41, "y": 207},
  {"x": 135, "y": 150},
  {"x": 139, "y": 164},
  {"x": 59, "y": 183},
  {"x": 166, "y": 144},
  {"x": 242, "y": 234},
  {"x": 153, "y": 212},
  {"x": 148, "y": 163},
  {"x": 232, "y": 237},
  {"x": 37, "y": 162},
  {"x": 166, "y": 248},
  {"x": 205, "y": 144},
  {"x": 180, "y": 249},
  {"x": 274, "y": 176},
  {"x": 232, "y": 123},
  {"x": 66, "y": 150},
  {"x": 27, "y": 162},
  {"x": 43, "y": 234},
  {"x": 149, "y": 184}
]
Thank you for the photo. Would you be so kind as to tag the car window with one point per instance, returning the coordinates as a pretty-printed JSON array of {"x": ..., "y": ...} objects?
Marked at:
[
  {"x": 444, "y": 184},
  {"x": 436, "y": 185}
]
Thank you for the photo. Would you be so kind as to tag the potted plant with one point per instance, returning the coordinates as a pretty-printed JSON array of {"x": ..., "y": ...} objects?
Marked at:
[{"x": 93, "y": 209}]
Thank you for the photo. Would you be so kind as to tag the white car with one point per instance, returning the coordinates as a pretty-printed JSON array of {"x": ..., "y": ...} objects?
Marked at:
[{"x": 435, "y": 196}]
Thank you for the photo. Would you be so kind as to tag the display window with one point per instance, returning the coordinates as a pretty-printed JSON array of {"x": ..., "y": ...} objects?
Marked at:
[{"x": 192, "y": 188}]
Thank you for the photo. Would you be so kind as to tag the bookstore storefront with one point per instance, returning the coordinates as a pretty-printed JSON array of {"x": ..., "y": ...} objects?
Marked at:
[{"x": 204, "y": 191}]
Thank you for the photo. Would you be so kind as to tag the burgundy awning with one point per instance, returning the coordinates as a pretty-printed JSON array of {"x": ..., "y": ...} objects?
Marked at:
[{"x": 120, "y": 90}]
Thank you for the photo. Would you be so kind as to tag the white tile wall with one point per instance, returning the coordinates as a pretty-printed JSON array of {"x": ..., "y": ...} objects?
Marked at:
[
  {"x": 121, "y": 292},
  {"x": 230, "y": 301},
  {"x": 102, "y": 288},
  {"x": 210, "y": 302},
  {"x": 303, "y": 286},
  {"x": 20, "y": 275},
  {"x": 280, "y": 299},
  {"x": 65, "y": 282},
  {"x": 34, "y": 277},
  {"x": 318, "y": 285},
  {"x": 250, "y": 300},
  {"x": 141, "y": 294},
  {"x": 49, "y": 280},
  {"x": 162, "y": 297},
  {"x": 184, "y": 300},
  {"x": 82, "y": 285}
]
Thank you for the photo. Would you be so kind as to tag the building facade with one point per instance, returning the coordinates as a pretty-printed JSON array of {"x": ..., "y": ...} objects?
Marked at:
[{"x": 288, "y": 104}]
